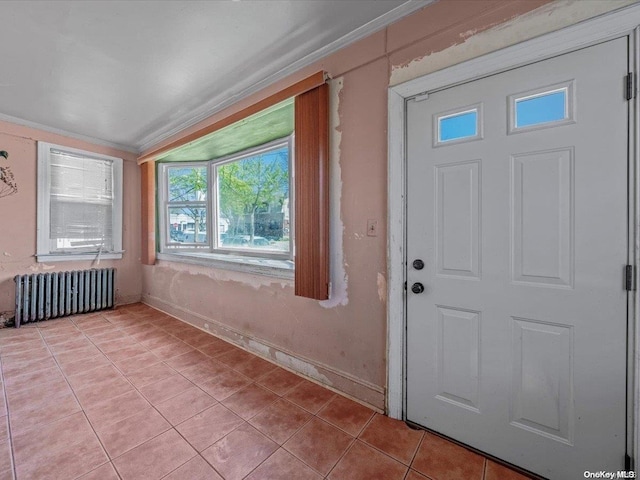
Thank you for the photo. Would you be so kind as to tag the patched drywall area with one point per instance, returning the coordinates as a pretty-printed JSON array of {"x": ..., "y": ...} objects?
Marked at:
[
  {"x": 338, "y": 291},
  {"x": 493, "y": 35},
  {"x": 18, "y": 214}
]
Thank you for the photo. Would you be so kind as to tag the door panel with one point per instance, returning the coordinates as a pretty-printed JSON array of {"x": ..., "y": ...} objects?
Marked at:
[
  {"x": 457, "y": 219},
  {"x": 517, "y": 346},
  {"x": 458, "y": 350},
  {"x": 542, "y": 379},
  {"x": 542, "y": 205}
]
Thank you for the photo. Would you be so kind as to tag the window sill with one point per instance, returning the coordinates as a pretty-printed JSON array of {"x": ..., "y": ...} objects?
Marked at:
[
  {"x": 254, "y": 265},
  {"x": 70, "y": 257}
]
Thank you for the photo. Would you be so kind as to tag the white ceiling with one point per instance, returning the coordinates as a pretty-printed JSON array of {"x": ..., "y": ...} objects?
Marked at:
[{"x": 130, "y": 74}]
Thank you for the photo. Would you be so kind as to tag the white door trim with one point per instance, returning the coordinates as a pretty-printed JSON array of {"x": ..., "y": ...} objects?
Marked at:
[{"x": 608, "y": 26}]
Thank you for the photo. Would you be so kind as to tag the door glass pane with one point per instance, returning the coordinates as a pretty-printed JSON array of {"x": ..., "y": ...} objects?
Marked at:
[
  {"x": 458, "y": 126},
  {"x": 542, "y": 108}
]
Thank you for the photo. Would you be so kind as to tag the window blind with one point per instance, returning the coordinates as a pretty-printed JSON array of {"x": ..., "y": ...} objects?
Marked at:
[{"x": 81, "y": 203}]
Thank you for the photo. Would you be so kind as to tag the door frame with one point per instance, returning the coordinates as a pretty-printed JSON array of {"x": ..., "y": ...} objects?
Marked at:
[{"x": 615, "y": 24}]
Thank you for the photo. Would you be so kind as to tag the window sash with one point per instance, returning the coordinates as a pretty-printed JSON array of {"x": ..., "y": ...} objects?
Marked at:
[{"x": 212, "y": 219}]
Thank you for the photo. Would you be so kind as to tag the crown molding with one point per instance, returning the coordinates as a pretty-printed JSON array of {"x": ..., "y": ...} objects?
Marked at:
[
  {"x": 233, "y": 95},
  {"x": 66, "y": 133}
]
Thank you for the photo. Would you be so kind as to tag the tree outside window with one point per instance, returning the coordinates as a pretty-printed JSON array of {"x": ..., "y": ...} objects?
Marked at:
[{"x": 253, "y": 195}]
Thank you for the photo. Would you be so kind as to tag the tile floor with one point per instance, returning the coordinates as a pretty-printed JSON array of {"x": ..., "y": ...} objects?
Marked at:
[{"x": 133, "y": 393}]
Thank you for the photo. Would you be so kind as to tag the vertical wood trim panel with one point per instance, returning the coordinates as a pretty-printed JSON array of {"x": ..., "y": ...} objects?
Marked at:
[
  {"x": 311, "y": 173},
  {"x": 148, "y": 220}
]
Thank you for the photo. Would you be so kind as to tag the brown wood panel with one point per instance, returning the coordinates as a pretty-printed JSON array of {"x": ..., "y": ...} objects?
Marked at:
[
  {"x": 311, "y": 202},
  {"x": 304, "y": 85},
  {"x": 148, "y": 220}
]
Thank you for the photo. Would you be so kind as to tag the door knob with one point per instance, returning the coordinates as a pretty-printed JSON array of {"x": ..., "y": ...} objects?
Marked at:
[
  {"x": 417, "y": 287},
  {"x": 418, "y": 264}
]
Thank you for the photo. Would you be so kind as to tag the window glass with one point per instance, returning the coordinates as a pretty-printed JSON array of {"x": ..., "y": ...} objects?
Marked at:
[
  {"x": 187, "y": 184},
  {"x": 81, "y": 203},
  {"x": 541, "y": 108},
  {"x": 458, "y": 126},
  {"x": 253, "y": 201},
  {"x": 185, "y": 221}
]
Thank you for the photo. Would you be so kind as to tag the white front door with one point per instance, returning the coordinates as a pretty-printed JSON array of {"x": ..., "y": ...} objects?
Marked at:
[{"x": 517, "y": 207}]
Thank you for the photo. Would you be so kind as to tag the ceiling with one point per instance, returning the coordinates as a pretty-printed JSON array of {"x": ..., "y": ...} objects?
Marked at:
[{"x": 131, "y": 73}]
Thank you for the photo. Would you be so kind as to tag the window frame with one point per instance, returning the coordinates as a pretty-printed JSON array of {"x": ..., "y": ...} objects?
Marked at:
[
  {"x": 210, "y": 253},
  {"x": 43, "y": 214},
  {"x": 454, "y": 112},
  {"x": 570, "y": 117}
]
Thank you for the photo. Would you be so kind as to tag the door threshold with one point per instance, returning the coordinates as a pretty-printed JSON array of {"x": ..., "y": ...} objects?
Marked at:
[{"x": 515, "y": 468}]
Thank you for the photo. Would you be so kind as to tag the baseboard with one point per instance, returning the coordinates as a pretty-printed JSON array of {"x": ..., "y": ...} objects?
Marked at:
[
  {"x": 127, "y": 299},
  {"x": 373, "y": 396}
]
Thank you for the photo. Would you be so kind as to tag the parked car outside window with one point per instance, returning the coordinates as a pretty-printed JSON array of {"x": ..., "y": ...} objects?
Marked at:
[{"x": 245, "y": 240}]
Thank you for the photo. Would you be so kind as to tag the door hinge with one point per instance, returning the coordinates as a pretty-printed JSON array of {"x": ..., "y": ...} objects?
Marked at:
[
  {"x": 405, "y": 286},
  {"x": 628, "y": 462},
  {"x": 630, "y": 278},
  {"x": 630, "y": 86}
]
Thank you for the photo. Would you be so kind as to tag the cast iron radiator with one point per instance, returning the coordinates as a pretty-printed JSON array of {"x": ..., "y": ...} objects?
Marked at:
[{"x": 41, "y": 296}]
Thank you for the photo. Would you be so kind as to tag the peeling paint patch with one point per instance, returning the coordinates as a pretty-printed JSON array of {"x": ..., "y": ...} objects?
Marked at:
[
  {"x": 261, "y": 348},
  {"x": 338, "y": 294},
  {"x": 6, "y": 254},
  {"x": 220, "y": 275},
  {"x": 38, "y": 267},
  {"x": 382, "y": 288},
  {"x": 302, "y": 367},
  {"x": 545, "y": 19},
  {"x": 469, "y": 33}
]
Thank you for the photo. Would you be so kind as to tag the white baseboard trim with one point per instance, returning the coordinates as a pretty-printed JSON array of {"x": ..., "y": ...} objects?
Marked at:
[
  {"x": 373, "y": 396},
  {"x": 128, "y": 299}
]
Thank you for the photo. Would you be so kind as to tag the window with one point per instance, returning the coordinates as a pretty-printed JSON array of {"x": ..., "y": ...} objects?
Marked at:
[
  {"x": 548, "y": 107},
  {"x": 456, "y": 126},
  {"x": 79, "y": 204},
  {"x": 237, "y": 205},
  {"x": 541, "y": 108},
  {"x": 270, "y": 118}
]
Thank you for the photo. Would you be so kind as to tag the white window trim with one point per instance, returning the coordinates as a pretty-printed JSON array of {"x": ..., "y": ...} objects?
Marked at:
[
  {"x": 43, "y": 254},
  {"x": 258, "y": 262},
  {"x": 238, "y": 263}
]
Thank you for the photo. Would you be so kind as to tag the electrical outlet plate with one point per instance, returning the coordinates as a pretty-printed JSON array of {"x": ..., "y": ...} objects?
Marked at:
[{"x": 372, "y": 228}]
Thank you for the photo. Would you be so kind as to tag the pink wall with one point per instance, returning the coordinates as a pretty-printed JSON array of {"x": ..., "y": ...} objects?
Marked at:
[
  {"x": 341, "y": 342},
  {"x": 18, "y": 214}
]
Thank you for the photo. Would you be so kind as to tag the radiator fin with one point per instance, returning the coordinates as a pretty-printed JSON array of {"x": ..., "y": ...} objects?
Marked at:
[{"x": 41, "y": 296}]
